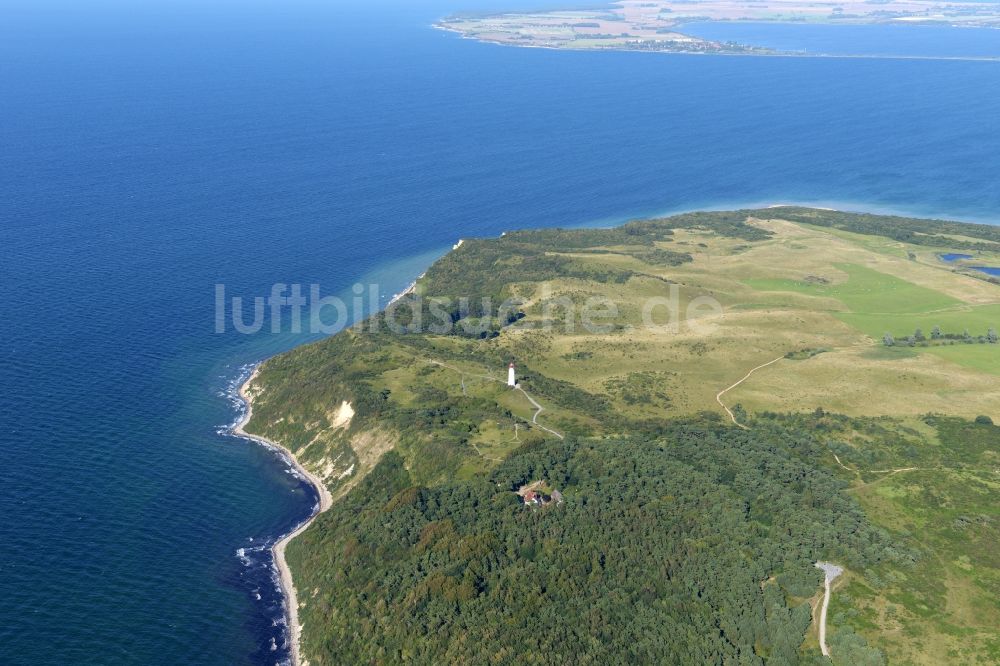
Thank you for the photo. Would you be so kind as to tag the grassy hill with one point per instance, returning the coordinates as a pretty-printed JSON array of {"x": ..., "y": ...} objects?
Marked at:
[{"x": 694, "y": 503}]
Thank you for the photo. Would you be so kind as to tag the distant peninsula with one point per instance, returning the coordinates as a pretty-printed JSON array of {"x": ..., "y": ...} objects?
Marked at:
[
  {"x": 658, "y": 25},
  {"x": 636, "y": 445}
]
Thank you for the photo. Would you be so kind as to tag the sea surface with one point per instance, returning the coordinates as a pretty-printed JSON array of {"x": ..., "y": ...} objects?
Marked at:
[
  {"x": 883, "y": 40},
  {"x": 151, "y": 151}
]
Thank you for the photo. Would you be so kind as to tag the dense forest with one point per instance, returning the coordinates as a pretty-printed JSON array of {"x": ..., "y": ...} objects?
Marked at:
[
  {"x": 695, "y": 545},
  {"x": 676, "y": 539}
]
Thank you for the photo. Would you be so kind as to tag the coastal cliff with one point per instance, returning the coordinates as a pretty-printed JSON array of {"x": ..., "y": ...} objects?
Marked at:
[{"x": 427, "y": 550}]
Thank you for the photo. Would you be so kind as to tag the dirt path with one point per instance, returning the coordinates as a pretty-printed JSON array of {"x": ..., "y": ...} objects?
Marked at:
[
  {"x": 887, "y": 472},
  {"x": 718, "y": 396},
  {"x": 831, "y": 571},
  {"x": 538, "y": 408}
]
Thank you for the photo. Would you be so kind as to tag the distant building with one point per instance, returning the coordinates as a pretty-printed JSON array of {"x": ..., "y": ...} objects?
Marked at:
[
  {"x": 511, "y": 379},
  {"x": 533, "y": 495},
  {"x": 536, "y": 498}
]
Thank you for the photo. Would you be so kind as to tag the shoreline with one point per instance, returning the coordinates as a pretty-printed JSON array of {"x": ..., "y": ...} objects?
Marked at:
[
  {"x": 409, "y": 290},
  {"x": 325, "y": 499},
  {"x": 285, "y": 580},
  {"x": 732, "y": 54},
  {"x": 818, "y": 204}
]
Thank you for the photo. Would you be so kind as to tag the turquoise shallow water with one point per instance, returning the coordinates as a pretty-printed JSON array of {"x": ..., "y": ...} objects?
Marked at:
[{"x": 151, "y": 153}]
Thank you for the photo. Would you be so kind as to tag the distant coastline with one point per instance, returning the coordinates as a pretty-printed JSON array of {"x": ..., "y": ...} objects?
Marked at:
[
  {"x": 278, "y": 549},
  {"x": 731, "y": 54},
  {"x": 670, "y": 26}
]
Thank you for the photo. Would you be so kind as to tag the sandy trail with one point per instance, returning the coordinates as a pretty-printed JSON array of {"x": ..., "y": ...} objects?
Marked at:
[
  {"x": 732, "y": 417},
  {"x": 887, "y": 472},
  {"x": 278, "y": 550},
  {"x": 718, "y": 396},
  {"x": 538, "y": 408},
  {"x": 831, "y": 571}
]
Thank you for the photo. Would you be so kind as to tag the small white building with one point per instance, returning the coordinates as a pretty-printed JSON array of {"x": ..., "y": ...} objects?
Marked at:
[{"x": 511, "y": 379}]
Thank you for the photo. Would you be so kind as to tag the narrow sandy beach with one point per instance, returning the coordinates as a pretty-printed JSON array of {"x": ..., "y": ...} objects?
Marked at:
[{"x": 325, "y": 500}]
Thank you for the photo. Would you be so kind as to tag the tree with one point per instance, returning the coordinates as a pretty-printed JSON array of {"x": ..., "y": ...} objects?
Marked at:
[
  {"x": 982, "y": 419},
  {"x": 888, "y": 340},
  {"x": 991, "y": 336},
  {"x": 847, "y": 647},
  {"x": 918, "y": 335},
  {"x": 936, "y": 333}
]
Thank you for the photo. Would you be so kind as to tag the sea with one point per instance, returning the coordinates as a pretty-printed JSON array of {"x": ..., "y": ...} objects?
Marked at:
[{"x": 152, "y": 152}]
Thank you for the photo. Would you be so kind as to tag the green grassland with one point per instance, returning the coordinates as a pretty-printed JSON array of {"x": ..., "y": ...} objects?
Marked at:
[
  {"x": 879, "y": 303},
  {"x": 943, "y": 607},
  {"x": 813, "y": 291},
  {"x": 864, "y": 290}
]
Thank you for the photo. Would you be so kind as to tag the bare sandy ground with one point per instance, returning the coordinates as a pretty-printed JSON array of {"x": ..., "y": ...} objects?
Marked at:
[{"x": 325, "y": 500}]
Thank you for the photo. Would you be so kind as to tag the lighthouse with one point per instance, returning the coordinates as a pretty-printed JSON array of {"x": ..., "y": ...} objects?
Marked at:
[{"x": 511, "y": 381}]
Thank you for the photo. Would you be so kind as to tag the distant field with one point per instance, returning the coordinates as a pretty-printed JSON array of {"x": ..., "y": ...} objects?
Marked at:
[
  {"x": 975, "y": 319},
  {"x": 844, "y": 297},
  {"x": 658, "y": 25},
  {"x": 878, "y": 303},
  {"x": 866, "y": 291}
]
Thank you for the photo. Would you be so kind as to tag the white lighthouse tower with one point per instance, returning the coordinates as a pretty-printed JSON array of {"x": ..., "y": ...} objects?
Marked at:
[{"x": 511, "y": 380}]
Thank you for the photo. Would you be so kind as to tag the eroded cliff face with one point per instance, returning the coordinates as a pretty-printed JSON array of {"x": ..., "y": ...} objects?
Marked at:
[
  {"x": 433, "y": 554},
  {"x": 330, "y": 444}
]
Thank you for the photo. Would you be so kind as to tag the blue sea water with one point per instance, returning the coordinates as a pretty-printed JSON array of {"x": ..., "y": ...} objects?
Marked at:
[
  {"x": 893, "y": 40},
  {"x": 149, "y": 151}
]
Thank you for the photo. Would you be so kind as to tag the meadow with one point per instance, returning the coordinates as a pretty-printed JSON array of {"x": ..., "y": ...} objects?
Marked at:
[{"x": 768, "y": 322}]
